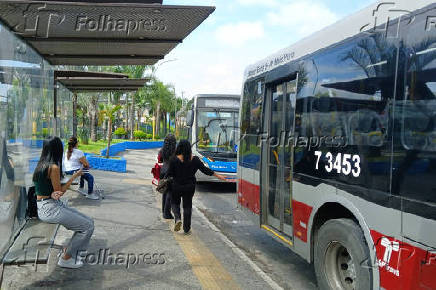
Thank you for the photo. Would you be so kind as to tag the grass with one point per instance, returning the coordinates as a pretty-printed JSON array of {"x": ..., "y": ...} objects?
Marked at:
[{"x": 95, "y": 147}]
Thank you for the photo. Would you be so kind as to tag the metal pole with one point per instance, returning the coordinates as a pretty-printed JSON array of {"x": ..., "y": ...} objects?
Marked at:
[
  {"x": 55, "y": 97},
  {"x": 154, "y": 125},
  {"x": 74, "y": 114}
]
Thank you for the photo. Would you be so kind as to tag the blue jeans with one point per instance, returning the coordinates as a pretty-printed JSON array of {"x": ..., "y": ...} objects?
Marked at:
[{"x": 86, "y": 176}]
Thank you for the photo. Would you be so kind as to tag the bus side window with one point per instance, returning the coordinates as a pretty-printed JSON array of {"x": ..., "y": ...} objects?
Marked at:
[
  {"x": 414, "y": 167},
  {"x": 350, "y": 103},
  {"x": 251, "y": 116}
]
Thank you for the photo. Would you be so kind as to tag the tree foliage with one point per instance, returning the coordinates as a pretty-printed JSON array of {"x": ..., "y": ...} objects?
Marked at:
[{"x": 108, "y": 112}]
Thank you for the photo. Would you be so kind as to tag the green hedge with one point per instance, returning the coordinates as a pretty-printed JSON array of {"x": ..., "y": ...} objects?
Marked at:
[
  {"x": 120, "y": 132},
  {"x": 138, "y": 134}
]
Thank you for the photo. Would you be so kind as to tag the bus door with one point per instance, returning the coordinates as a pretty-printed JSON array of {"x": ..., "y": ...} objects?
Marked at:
[{"x": 277, "y": 156}]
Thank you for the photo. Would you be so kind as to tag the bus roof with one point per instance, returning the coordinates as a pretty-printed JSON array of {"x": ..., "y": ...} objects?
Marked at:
[
  {"x": 364, "y": 20},
  {"x": 217, "y": 96}
]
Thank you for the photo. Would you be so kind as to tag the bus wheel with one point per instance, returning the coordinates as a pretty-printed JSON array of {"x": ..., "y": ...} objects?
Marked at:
[{"x": 341, "y": 256}]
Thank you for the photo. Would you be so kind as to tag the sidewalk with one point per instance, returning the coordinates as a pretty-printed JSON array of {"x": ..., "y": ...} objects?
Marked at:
[{"x": 146, "y": 253}]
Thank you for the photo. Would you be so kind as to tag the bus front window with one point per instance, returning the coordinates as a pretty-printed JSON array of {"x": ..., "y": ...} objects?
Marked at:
[{"x": 216, "y": 131}]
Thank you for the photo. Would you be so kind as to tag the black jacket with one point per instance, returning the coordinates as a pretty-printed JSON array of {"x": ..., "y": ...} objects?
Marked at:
[{"x": 183, "y": 173}]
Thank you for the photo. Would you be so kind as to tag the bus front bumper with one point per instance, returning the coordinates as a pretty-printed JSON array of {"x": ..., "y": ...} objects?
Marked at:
[{"x": 206, "y": 178}]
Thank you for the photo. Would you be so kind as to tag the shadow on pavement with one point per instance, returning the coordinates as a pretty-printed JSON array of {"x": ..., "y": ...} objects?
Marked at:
[{"x": 216, "y": 187}]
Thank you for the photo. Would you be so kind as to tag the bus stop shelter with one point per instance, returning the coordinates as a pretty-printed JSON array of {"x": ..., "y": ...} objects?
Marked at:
[
  {"x": 102, "y": 32},
  {"x": 40, "y": 37}
]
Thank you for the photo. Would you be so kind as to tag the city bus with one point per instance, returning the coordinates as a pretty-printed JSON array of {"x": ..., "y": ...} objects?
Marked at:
[
  {"x": 212, "y": 130},
  {"x": 337, "y": 148}
]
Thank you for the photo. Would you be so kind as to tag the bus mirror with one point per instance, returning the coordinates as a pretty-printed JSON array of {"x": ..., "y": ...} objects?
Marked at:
[{"x": 190, "y": 118}]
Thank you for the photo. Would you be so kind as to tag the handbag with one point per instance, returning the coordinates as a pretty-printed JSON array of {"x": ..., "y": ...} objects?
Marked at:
[
  {"x": 156, "y": 173},
  {"x": 164, "y": 185},
  {"x": 32, "y": 208}
]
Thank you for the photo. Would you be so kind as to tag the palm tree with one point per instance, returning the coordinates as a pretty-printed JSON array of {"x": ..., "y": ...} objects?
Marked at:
[
  {"x": 108, "y": 112},
  {"x": 93, "y": 115},
  {"x": 157, "y": 97},
  {"x": 160, "y": 96},
  {"x": 136, "y": 72}
]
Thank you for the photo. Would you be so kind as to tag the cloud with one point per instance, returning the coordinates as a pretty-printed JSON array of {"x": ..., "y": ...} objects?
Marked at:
[
  {"x": 303, "y": 17},
  {"x": 239, "y": 33},
  {"x": 258, "y": 2},
  {"x": 201, "y": 72}
]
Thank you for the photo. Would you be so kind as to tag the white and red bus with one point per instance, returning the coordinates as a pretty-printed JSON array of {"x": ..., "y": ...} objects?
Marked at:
[{"x": 337, "y": 149}]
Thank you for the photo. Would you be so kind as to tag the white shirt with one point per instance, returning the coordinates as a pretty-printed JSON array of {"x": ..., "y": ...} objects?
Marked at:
[{"x": 74, "y": 162}]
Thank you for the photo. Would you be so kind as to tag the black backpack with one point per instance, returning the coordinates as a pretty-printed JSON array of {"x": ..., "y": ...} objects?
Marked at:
[{"x": 32, "y": 208}]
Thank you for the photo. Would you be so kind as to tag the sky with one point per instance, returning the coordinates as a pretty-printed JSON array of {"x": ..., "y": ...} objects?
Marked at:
[{"x": 212, "y": 59}]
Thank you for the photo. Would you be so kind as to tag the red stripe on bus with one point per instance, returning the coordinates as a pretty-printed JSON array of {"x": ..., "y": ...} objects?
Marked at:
[
  {"x": 249, "y": 195},
  {"x": 403, "y": 266},
  {"x": 301, "y": 214}
]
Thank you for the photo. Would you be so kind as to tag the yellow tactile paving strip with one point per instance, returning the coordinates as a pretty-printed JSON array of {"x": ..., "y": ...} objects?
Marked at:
[{"x": 208, "y": 269}]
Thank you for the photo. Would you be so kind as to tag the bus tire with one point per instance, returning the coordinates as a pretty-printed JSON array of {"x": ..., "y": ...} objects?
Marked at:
[{"x": 341, "y": 256}]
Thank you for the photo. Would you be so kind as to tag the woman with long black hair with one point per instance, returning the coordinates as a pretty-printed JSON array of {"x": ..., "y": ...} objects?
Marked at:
[
  {"x": 165, "y": 155},
  {"x": 182, "y": 169},
  {"x": 74, "y": 160},
  {"x": 48, "y": 189}
]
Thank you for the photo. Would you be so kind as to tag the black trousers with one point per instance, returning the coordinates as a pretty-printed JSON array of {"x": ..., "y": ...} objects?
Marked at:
[
  {"x": 183, "y": 193},
  {"x": 166, "y": 197},
  {"x": 166, "y": 205}
]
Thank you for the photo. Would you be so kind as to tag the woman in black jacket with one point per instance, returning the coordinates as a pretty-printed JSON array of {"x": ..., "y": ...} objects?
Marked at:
[
  {"x": 165, "y": 155},
  {"x": 183, "y": 168}
]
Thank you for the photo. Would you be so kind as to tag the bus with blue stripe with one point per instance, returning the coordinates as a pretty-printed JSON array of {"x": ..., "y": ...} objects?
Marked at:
[{"x": 212, "y": 129}]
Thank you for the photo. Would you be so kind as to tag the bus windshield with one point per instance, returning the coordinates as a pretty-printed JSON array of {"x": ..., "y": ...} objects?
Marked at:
[{"x": 216, "y": 130}]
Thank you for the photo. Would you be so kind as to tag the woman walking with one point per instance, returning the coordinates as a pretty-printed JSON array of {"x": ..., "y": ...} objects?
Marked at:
[
  {"x": 74, "y": 160},
  {"x": 165, "y": 155},
  {"x": 47, "y": 180},
  {"x": 183, "y": 168}
]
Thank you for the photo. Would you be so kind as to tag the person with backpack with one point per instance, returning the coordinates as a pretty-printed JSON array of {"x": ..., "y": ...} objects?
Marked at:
[
  {"x": 48, "y": 188},
  {"x": 182, "y": 169}
]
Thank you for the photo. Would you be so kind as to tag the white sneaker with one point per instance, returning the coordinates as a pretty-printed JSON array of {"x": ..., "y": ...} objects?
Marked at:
[
  {"x": 83, "y": 191},
  {"x": 93, "y": 196},
  {"x": 70, "y": 263}
]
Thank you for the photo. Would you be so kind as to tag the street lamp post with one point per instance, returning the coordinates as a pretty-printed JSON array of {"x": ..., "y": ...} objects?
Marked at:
[
  {"x": 153, "y": 121},
  {"x": 153, "y": 73}
]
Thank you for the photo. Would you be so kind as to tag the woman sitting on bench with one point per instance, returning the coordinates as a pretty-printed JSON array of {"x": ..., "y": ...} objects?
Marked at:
[
  {"x": 74, "y": 160},
  {"x": 48, "y": 189}
]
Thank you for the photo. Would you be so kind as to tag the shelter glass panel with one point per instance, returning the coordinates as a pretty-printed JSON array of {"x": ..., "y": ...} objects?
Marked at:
[{"x": 26, "y": 111}]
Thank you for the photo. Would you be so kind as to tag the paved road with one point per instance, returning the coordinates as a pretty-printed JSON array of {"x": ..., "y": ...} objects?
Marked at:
[
  {"x": 219, "y": 204},
  {"x": 225, "y": 251}
]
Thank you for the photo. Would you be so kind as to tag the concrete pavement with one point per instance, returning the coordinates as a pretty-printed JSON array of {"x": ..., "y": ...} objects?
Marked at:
[{"x": 134, "y": 248}]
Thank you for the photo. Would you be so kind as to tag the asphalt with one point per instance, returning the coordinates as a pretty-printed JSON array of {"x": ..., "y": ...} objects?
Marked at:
[
  {"x": 218, "y": 203},
  {"x": 128, "y": 225}
]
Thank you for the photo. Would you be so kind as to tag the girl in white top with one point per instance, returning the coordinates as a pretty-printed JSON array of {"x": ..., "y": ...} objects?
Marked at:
[{"x": 74, "y": 160}]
